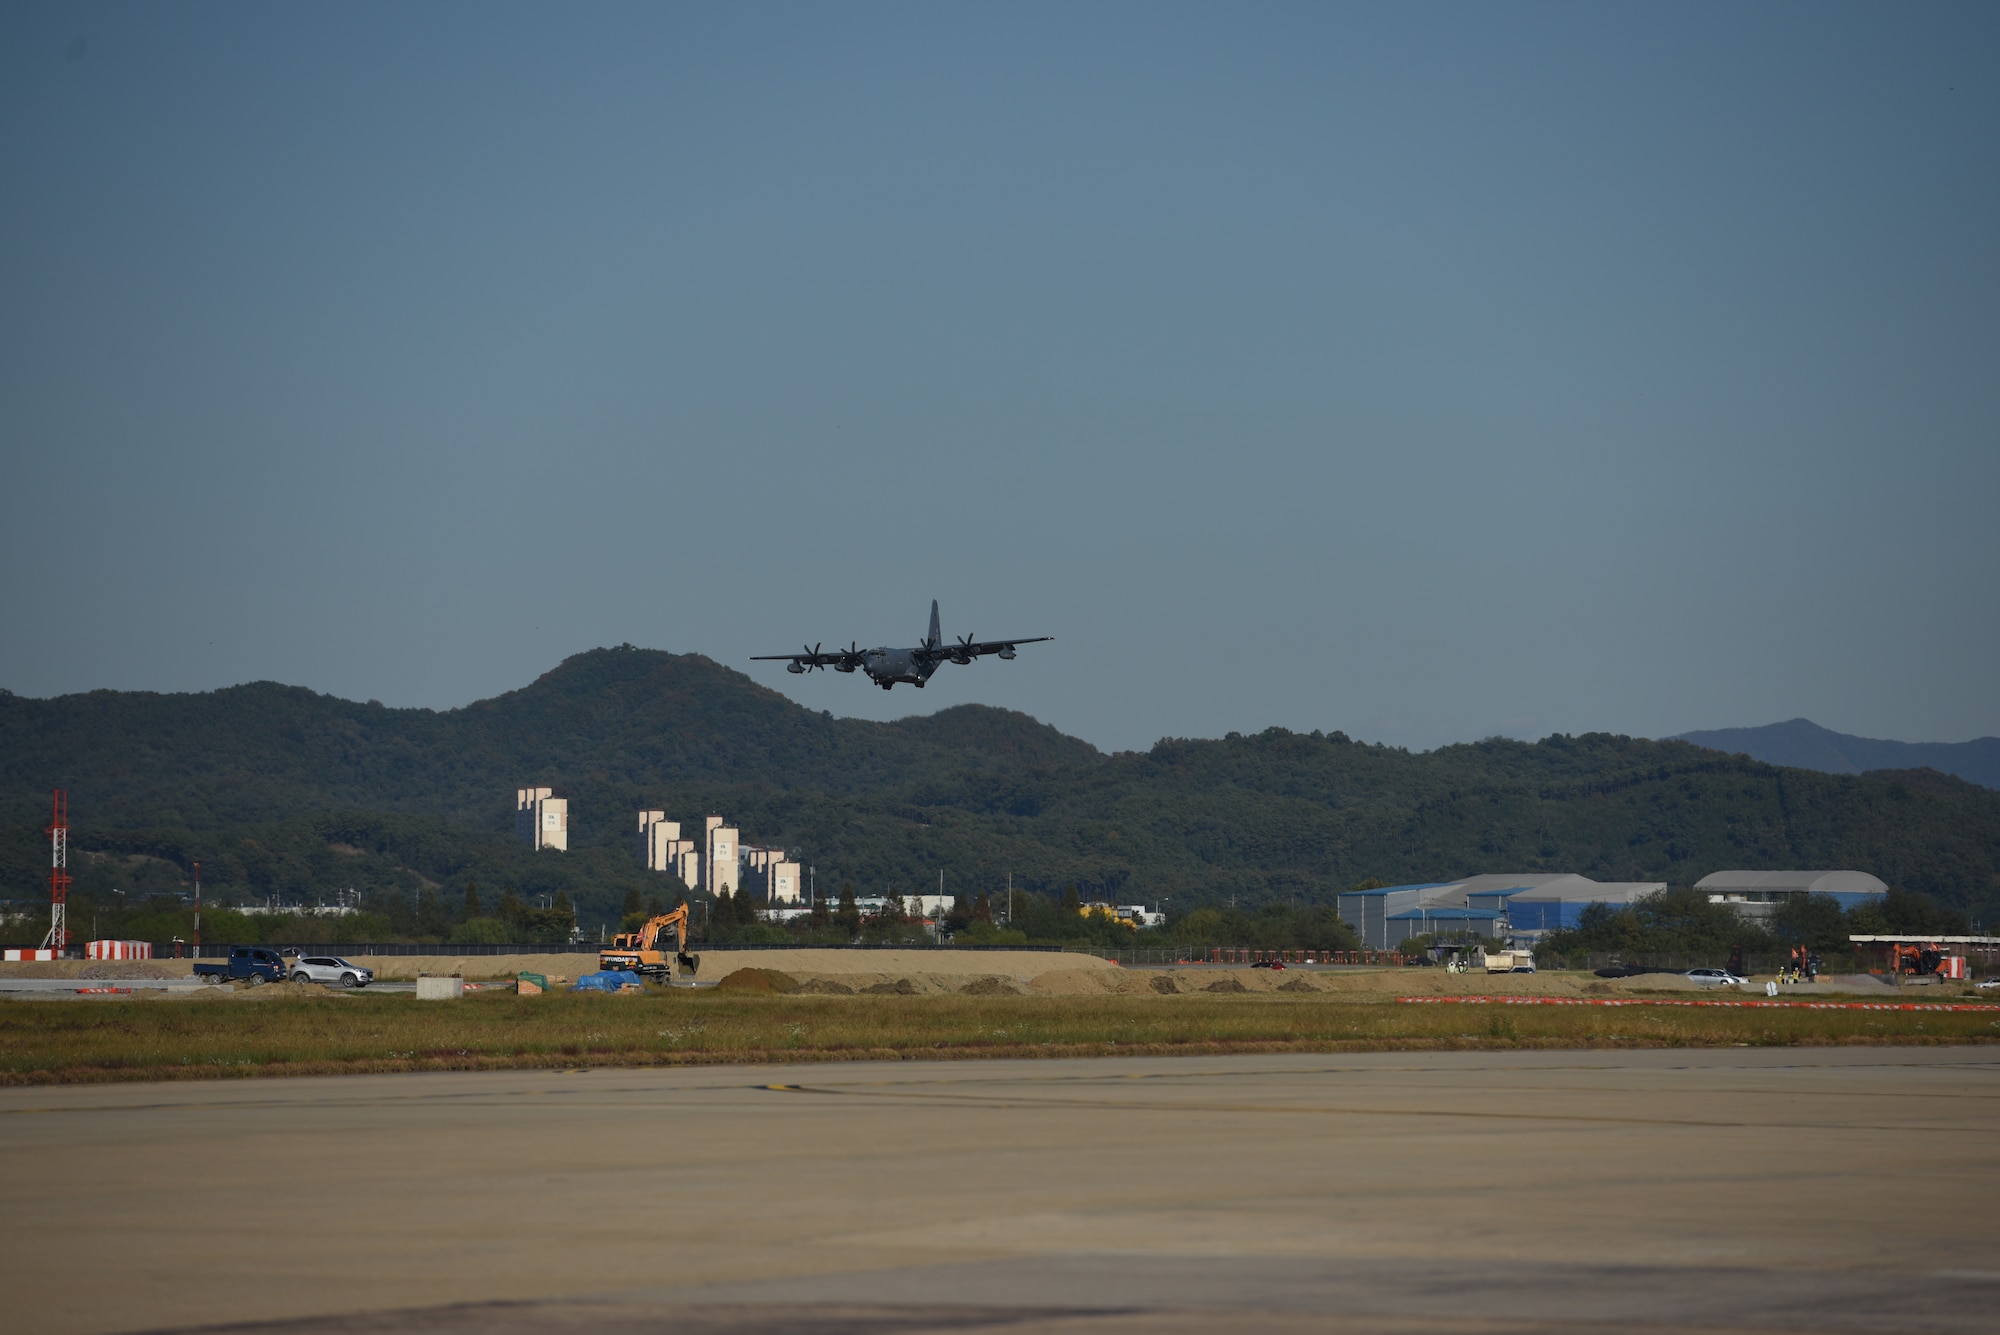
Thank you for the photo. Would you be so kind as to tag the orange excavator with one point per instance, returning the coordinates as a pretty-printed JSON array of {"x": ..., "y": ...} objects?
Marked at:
[
  {"x": 1910, "y": 958},
  {"x": 638, "y": 950}
]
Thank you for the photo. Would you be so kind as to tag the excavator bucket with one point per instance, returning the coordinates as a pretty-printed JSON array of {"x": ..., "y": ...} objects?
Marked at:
[{"x": 691, "y": 963}]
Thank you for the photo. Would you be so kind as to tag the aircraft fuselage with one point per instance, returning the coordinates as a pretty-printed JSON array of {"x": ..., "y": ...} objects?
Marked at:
[{"x": 886, "y": 667}]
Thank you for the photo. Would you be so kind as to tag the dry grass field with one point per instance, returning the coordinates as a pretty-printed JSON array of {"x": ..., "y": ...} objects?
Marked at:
[{"x": 304, "y": 1030}]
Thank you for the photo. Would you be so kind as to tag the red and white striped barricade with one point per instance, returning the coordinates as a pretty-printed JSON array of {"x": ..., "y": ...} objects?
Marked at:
[{"x": 118, "y": 950}]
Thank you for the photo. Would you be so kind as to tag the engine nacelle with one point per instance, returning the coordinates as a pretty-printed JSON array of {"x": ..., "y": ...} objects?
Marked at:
[
  {"x": 795, "y": 667},
  {"x": 1007, "y": 654},
  {"x": 843, "y": 667}
]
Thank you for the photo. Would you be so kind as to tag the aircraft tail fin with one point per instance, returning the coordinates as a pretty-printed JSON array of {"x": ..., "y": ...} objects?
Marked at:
[{"x": 936, "y": 635}]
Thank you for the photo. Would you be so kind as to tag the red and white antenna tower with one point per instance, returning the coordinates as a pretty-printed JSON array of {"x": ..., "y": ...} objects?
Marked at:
[{"x": 58, "y": 936}]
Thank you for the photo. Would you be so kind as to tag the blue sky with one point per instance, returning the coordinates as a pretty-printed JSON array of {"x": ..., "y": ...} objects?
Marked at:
[{"x": 1421, "y": 371}]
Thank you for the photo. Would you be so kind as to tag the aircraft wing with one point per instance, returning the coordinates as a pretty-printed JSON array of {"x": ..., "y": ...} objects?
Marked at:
[
  {"x": 844, "y": 660},
  {"x": 964, "y": 651}
]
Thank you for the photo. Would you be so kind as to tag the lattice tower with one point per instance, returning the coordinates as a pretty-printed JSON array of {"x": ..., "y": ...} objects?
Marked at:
[{"x": 58, "y": 936}]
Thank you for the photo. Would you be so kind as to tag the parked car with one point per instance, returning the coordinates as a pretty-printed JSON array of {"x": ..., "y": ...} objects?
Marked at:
[
  {"x": 1988, "y": 985},
  {"x": 331, "y": 969},
  {"x": 1268, "y": 964},
  {"x": 1714, "y": 977},
  {"x": 252, "y": 964}
]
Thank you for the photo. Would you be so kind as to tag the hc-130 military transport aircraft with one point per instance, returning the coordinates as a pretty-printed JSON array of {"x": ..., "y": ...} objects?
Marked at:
[{"x": 886, "y": 667}]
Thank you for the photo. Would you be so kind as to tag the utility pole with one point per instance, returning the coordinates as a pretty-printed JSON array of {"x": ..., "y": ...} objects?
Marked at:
[
  {"x": 197, "y": 910},
  {"x": 1010, "y": 899},
  {"x": 58, "y": 833}
]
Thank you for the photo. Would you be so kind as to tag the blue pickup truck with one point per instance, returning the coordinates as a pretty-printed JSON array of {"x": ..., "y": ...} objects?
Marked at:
[{"x": 252, "y": 964}]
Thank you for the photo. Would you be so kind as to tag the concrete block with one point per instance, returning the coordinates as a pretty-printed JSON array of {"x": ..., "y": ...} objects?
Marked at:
[{"x": 433, "y": 988}]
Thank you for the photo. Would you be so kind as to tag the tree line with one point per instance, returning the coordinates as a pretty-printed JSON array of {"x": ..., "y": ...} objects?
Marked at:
[{"x": 287, "y": 796}]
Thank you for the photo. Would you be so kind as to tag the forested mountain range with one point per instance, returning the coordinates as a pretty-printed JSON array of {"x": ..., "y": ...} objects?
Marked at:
[
  {"x": 1803, "y": 744},
  {"x": 279, "y": 790}
]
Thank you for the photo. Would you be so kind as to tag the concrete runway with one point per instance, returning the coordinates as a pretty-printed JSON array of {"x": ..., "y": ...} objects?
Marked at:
[{"x": 1754, "y": 1189}]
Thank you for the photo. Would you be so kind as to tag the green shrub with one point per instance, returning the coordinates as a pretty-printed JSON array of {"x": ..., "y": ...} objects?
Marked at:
[{"x": 481, "y": 932}]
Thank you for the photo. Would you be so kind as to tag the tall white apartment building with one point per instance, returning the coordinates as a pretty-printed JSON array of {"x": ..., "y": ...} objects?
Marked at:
[
  {"x": 661, "y": 847},
  {"x": 541, "y": 818},
  {"x": 769, "y": 874},
  {"x": 718, "y": 864}
]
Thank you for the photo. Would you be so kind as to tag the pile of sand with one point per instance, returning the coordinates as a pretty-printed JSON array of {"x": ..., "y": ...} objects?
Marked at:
[
  {"x": 956, "y": 966},
  {"x": 123, "y": 969},
  {"x": 154, "y": 968},
  {"x": 991, "y": 985},
  {"x": 761, "y": 982}
]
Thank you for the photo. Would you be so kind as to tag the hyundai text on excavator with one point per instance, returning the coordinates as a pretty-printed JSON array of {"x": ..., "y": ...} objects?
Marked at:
[{"x": 636, "y": 950}]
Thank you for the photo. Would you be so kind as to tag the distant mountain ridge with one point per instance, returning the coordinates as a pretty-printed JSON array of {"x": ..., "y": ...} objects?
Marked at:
[{"x": 1802, "y": 744}]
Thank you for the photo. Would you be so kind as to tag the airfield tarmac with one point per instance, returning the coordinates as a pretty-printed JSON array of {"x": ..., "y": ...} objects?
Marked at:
[{"x": 1744, "y": 1189}]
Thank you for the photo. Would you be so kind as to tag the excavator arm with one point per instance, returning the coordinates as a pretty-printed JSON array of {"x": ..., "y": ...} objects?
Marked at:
[
  {"x": 649, "y": 935},
  {"x": 634, "y": 950}
]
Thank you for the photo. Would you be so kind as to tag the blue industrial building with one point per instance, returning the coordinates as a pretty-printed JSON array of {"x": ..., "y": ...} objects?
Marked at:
[
  {"x": 1495, "y": 905},
  {"x": 1757, "y": 894},
  {"x": 1522, "y": 906}
]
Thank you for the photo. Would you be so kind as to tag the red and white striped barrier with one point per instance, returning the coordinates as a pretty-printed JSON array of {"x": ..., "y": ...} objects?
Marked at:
[
  {"x": 118, "y": 950},
  {"x": 1741, "y": 1005},
  {"x": 42, "y": 953}
]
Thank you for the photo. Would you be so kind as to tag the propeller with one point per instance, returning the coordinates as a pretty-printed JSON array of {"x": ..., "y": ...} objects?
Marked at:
[
  {"x": 814, "y": 651},
  {"x": 963, "y": 655},
  {"x": 853, "y": 657}
]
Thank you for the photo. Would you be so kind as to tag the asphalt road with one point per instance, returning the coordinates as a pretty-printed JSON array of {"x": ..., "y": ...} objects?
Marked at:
[{"x": 1795, "y": 1189}]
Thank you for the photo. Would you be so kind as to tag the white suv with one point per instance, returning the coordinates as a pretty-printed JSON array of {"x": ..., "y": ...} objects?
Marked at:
[{"x": 331, "y": 969}]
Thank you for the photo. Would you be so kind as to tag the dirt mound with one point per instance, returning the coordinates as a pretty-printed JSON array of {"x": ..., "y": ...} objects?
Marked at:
[
  {"x": 826, "y": 987},
  {"x": 41, "y": 969},
  {"x": 1226, "y": 985},
  {"x": 1664, "y": 982},
  {"x": 1297, "y": 984},
  {"x": 764, "y": 982},
  {"x": 813, "y": 962},
  {"x": 993, "y": 985},
  {"x": 1164, "y": 984},
  {"x": 900, "y": 987},
  {"x": 1075, "y": 983},
  {"x": 122, "y": 969}
]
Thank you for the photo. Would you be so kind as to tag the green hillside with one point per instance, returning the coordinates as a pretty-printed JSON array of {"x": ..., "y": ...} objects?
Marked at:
[
  {"x": 265, "y": 752},
  {"x": 280, "y": 790}
]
